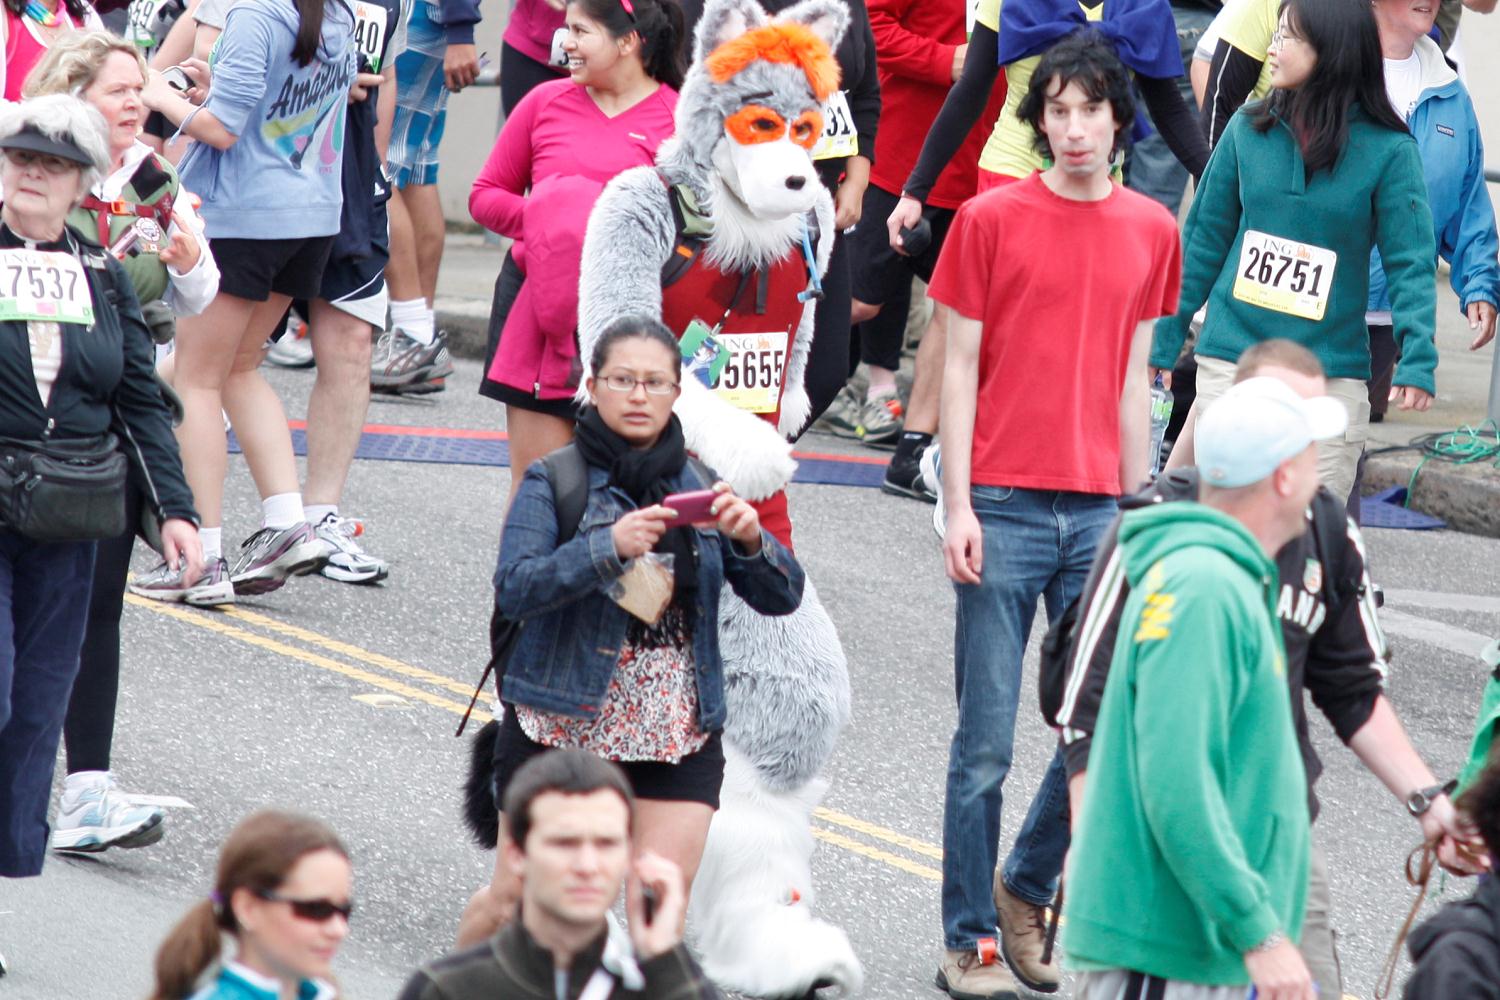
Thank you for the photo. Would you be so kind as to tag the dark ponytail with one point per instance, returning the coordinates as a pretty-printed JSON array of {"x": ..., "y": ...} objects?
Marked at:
[
  {"x": 309, "y": 30},
  {"x": 257, "y": 855},
  {"x": 660, "y": 26}
]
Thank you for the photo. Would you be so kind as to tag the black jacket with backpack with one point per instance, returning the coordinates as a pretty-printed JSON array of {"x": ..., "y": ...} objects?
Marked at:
[
  {"x": 1457, "y": 951},
  {"x": 1326, "y": 607}
]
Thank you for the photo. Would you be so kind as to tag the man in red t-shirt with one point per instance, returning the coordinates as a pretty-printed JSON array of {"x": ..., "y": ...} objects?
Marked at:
[{"x": 1053, "y": 282}]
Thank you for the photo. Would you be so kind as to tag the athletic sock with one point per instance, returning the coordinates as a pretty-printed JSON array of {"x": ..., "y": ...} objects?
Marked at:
[
  {"x": 880, "y": 385},
  {"x": 316, "y": 512},
  {"x": 415, "y": 320},
  {"x": 213, "y": 542},
  {"x": 284, "y": 510},
  {"x": 909, "y": 444}
]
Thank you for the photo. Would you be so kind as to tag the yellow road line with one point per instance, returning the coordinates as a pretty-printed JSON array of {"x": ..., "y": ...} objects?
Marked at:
[
  {"x": 876, "y": 854},
  {"x": 212, "y": 623},
  {"x": 879, "y": 833},
  {"x": 354, "y": 652}
]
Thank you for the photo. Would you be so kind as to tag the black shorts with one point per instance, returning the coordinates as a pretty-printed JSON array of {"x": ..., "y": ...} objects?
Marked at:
[
  {"x": 696, "y": 778},
  {"x": 257, "y": 269},
  {"x": 158, "y": 125},
  {"x": 876, "y": 267}
]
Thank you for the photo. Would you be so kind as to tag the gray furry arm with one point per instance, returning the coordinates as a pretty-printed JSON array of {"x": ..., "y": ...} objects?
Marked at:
[{"x": 628, "y": 240}]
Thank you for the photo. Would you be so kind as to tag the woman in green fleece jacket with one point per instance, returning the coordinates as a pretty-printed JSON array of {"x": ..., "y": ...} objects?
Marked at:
[{"x": 1297, "y": 192}]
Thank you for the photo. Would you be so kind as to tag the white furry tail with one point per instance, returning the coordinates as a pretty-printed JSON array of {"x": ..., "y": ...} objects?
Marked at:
[{"x": 751, "y": 911}]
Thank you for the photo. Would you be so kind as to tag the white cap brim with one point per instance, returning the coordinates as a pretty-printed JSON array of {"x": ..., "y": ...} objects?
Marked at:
[{"x": 1326, "y": 417}]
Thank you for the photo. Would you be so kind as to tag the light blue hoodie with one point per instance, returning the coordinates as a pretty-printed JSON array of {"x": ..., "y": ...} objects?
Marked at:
[
  {"x": 282, "y": 178},
  {"x": 1447, "y": 135}
]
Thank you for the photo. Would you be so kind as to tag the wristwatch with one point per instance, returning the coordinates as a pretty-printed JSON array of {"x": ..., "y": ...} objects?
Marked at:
[
  {"x": 1420, "y": 801},
  {"x": 1273, "y": 940}
]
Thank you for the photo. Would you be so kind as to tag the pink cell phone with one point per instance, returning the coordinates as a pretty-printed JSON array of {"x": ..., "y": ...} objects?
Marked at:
[{"x": 690, "y": 507}]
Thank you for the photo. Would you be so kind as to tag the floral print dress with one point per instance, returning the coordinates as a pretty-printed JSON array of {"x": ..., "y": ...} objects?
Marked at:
[{"x": 650, "y": 712}]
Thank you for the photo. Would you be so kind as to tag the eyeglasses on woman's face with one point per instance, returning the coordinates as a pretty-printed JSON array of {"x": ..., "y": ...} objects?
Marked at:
[
  {"x": 21, "y": 159},
  {"x": 655, "y": 385}
]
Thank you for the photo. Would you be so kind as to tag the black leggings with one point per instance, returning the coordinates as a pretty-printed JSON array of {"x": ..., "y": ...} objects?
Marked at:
[
  {"x": 828, "y": 366},
  {"x": 89, "y": 728},
  {"x": 519, "y": 73}
]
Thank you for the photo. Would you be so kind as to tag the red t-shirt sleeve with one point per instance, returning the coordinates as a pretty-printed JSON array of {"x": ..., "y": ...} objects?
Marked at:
[
  {"x": 1166, "y": 271},
  {"x": 962, "y": 276}
]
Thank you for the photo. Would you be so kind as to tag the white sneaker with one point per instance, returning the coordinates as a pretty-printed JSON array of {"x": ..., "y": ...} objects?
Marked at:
[
  {"x": 348, "y": 562},
  {"x": 94, "y": 815},
  {"x": 931, "y": 465},
  {"x": 294, "y": 348}
]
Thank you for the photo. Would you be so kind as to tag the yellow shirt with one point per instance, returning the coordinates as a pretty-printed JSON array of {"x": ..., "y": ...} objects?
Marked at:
[
  {"x": 1011, "y": 148},
  {"x": 1248, "y": 25}
]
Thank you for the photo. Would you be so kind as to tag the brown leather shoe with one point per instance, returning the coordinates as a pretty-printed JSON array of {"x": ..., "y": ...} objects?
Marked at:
[
  {"x": 1023, "y": 936},
  {"x": 965, "y": 975}
]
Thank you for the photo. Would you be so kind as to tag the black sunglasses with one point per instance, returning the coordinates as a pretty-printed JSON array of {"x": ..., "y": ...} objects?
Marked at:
[{"x": 317, "y": 910}]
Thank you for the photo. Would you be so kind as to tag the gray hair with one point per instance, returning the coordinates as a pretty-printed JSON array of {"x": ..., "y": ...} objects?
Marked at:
[{"x": 66, "y": 119}]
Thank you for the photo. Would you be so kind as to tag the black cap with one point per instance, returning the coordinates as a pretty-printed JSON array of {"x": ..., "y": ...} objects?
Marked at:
[{"x": 32, "y": 138}]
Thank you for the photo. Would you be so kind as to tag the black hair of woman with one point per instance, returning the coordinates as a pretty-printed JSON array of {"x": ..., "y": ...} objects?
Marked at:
[
  {"x": 76, "y": 9},
  {"x": 309, "y": 31},
  {"x": 1349, "y": 70},
  {"x": 1088, "y": 59},
  {"x": 634, "y": 328},
  {"x": 659, "y": 24}
]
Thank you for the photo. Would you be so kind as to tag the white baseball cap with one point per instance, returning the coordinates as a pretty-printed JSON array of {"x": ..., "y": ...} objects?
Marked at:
[{"x": 1258, "y": 424}]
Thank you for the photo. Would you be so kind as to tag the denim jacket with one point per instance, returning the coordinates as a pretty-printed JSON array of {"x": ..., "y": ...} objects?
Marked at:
[{"x": 572, "y": 633}]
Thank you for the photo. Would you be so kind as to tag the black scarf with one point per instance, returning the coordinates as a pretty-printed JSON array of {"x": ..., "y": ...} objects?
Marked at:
[{"x": 641, "y": 473}]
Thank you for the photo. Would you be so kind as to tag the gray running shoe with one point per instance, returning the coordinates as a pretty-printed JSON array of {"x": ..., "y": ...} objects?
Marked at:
[
  {"x": 400, "y": 362},
  {"x": 167, "y": 584},
  {"x": 843, "y": 414},
  {"x": 348, "y": 562},
  {"x": 98, "y": 816},
  {"x": 271, "y": 555},
  {"x": 880, "y": 420}
]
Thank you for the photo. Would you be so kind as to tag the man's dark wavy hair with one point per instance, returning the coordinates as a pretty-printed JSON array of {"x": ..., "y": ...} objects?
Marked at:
[{"x": 1088, "y": 59}]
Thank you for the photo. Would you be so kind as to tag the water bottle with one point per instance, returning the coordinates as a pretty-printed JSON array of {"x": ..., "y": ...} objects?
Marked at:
[{"x": 1161, "y": 415}]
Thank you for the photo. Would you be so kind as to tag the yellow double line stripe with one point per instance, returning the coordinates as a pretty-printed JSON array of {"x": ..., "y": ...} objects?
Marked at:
[{"x": 222, "y": 623}]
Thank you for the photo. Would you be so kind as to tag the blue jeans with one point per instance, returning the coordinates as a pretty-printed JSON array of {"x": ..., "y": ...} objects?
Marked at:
[
  {"x": 1037, "y": 543},
  {"x": 44, "y": 590}
]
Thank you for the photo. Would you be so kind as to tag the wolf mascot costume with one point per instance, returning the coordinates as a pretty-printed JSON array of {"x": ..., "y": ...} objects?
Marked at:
[{"x": 733, "y": 229}]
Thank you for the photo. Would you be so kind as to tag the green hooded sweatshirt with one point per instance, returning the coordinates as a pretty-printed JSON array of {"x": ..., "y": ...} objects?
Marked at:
[{"x": 1192, "y": 844}]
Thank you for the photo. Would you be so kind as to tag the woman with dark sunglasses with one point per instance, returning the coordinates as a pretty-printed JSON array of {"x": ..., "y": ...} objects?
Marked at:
[{"x": 282, "y": 893}]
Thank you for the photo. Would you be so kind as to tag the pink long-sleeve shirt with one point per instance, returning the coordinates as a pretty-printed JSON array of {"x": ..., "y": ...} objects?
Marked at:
[{"x": 557, "y": 129}]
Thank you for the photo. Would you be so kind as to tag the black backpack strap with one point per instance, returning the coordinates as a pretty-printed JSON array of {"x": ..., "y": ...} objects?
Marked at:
[
  {"x": 569, "y": 475},
  {"x": 687, "y": 244},
  {"x": 1330, "y": 524}
]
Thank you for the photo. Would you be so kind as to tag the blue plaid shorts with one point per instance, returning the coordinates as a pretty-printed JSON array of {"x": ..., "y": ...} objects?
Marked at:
[{"x": 421, "y": 101}]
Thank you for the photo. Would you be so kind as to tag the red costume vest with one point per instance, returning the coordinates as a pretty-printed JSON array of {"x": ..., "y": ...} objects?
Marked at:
[{"x": 762, "y": 308}]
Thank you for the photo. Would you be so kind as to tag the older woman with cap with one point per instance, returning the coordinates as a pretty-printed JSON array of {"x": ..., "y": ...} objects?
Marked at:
[
  {"x": 141, "y": 213},
  {"x": 80, "y": 412}
]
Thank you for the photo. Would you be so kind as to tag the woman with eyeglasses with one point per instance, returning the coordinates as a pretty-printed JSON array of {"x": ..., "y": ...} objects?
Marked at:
[
  {"x": 565, "y": 140},
  {"x": 644, "y": 687},
  {"x": 81, "y": 415},
  {"x": 282, "y": 892},
  {"x": 1299, "y": 190}
]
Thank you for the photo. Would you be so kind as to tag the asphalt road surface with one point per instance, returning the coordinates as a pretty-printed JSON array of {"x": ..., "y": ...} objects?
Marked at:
[{"x": 342, "y": 700}]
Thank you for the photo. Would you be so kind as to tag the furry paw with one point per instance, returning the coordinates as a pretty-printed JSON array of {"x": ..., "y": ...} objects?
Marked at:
[
  {"x": 787, "y": 968},
  {"x": 743, "y": 449}
]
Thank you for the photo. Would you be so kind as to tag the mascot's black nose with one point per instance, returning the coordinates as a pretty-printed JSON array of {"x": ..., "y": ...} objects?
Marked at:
[{"x": 796, "y": 183}]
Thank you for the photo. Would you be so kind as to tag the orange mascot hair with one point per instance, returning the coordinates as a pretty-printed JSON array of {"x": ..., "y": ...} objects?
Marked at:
[{"x": 780, "y": 42}]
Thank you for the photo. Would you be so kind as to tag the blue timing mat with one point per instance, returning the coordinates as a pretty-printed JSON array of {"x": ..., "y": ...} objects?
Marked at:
[
  {"x": 1385, "y": 510},
  {"x": 441, "y": 449}
]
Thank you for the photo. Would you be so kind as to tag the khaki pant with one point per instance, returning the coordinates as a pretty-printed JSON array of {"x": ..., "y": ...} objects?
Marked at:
[{"x": 1338, "y": 459}]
